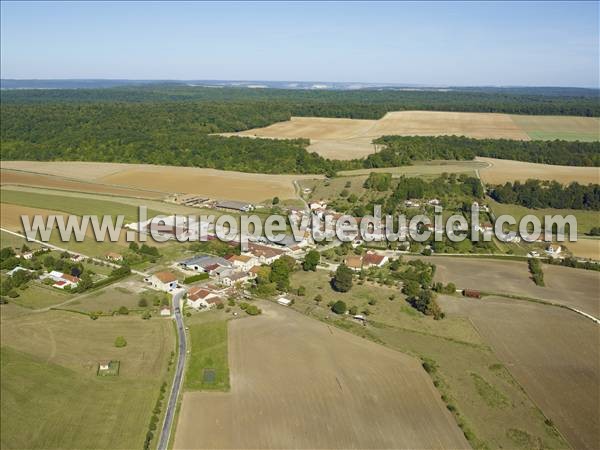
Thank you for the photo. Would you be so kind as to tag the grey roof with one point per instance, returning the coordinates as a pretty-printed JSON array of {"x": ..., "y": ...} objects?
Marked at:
[
  {"x": 230, "y": 204},
  {"x": 205, "y": 260}
]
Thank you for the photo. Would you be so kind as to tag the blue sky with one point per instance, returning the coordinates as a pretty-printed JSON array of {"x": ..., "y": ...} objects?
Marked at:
[{"x": 425, "y": 43}]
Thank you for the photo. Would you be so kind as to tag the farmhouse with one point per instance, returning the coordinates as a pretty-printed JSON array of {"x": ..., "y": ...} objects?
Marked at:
[
  {"x": 26, "y": 255},
  {"x": 243, "y": 262},
  {"x": 164, "y": 281},
  {"x": 62, "y": 280},
  {"x": 235, "y": 206},
  {"x": 197, "y": 297},
  {"x": 265, "y": 255},
  {"x": 374, "y": 260},
  {"x": 553, "y": 249},
  {"x": 112, "y": 256},
  {"x": 165, "y": 312},
  {"x": 232, "y": 279}
]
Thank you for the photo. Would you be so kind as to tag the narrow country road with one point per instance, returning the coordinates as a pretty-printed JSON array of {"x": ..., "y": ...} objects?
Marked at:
[
  {"x": 61, "y": 249},
  {"x": 165, "y": 431}
]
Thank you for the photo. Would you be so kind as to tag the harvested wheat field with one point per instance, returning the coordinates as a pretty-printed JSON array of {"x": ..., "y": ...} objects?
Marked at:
[
  {"x": 551, "y": 352},
  {"x": 20, "y": 178},
  {"x": 500, "y": 171},
  {"x": 577, "y": 288},
  {"x": 298, "y": 383},
  {"x": 211, "y": 183},
  {"x": 585, "y": 248}
]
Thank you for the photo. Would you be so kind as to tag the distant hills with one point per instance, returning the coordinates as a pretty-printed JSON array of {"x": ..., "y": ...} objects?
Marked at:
[{"x": 293, "y": 85}]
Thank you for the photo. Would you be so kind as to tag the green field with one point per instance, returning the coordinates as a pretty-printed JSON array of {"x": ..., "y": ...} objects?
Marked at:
[
  {"x": 73, "y": 205},
  {"x": 485, "y": 399},
  {"x": 585, "y": 219},
  {"x": 51, "y": 394},
  {"x": 37, "y": 296},
  {"x": 208, "y": 351}
]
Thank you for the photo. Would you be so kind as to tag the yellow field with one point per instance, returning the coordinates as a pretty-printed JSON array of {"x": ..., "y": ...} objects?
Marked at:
[
  {"x": 585, "y": 248},
  {"x": 503, "y": 170},
  {"x": 217, "y": 184},
  {"x": 349, "y": 138}
]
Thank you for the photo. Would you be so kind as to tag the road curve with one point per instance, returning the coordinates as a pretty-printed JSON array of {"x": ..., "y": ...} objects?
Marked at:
[{"x": 165, "y": 431}]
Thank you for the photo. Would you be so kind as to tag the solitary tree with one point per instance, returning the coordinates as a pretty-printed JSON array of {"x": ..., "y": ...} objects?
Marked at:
[
  {"x": 311, "y": 260},
  {"x": 120, "y": 342},
  {"x": 342, "y": 280}
]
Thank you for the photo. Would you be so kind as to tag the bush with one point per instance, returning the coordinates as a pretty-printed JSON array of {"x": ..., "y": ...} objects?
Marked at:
[
  {"x": 123, "y": 310},
  {"x": 142, "y": 302},
  {"x": 253, "y": 310},
  {"x": 120, "y": 342},
  {"x": 318, "y": 298},
  {"x": 339, "y": 307}
]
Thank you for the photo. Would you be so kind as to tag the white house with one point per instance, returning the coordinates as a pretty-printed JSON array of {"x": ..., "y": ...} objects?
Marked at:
[
  {"x": 165, "y": 312},
  {"x": 238, "y": 277},
  {"x": 553, "y": 249},
  {"x": 62, "y": 280},
  {"x": 163, "y": 281}
]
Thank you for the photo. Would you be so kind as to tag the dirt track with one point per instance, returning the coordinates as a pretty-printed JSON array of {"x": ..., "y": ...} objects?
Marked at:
[{"x": 297, "y": 383}]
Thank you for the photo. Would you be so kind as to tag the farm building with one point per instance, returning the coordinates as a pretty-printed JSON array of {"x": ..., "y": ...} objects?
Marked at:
[
  {"x": 472, "y": 293},
  {"x": 112, "y": 256},
  {"x": 204, "y": 263},
  {"x": 553, "y": 249},
  {"x": 235, "y": 206},
  {"x": 197, "y": 297},
  {"x": 265, "y": 255},
  {"x": 164, "y": 281},
  {"x": 232, "y": 279},
  {"x": 243, "y": 262},
  {"x": 165, "y": 312},
  {"x": 62, "y": 280},
  {"x": 284, "y": 301},
  {"x": 374, "y": 260}
]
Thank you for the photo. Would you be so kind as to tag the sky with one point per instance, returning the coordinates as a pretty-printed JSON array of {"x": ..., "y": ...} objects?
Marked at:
[{"x": 487, "y": 43}]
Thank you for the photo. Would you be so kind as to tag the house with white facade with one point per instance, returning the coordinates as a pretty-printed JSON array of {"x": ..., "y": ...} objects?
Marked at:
[{"x": 163, "y": 281}]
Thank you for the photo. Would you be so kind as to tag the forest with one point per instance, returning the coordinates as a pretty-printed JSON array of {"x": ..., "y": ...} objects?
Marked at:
[
  {"x": 175, "y": 126},
  {"x": 548, "y": 194},
  {"x": 401, "y": 150},
  {"x": 358, "y": 104}
]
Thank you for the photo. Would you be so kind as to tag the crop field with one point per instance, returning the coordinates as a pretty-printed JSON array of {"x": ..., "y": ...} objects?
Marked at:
[
  {"x": 218, "y": 184},
  {"x": 499, "y": 171},
  {"x": 577, "y": 288},
  {"x": 552, "y": 353},
  {"x": 330, "y": 390},
  {"x": 55, "y": 355},
  {"x": 22, "y": 178},
  {"x": 10, "y": 219},
  {"x": 350, "y": 138},
  {"x": 585, "y": 248},
  {"x": 568, "y": 128},
  {"x": 586, "y": 219},
  {"x": 489, "y": 405}
]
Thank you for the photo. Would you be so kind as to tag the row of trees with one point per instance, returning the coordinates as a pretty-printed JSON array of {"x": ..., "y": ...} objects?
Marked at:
[
  {"x": 548, "y": 194},
  {"x": 403, "y": 150}
]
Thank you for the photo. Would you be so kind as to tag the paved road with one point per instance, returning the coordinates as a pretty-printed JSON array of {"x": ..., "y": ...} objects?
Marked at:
[{"x": 165, "y": 432}]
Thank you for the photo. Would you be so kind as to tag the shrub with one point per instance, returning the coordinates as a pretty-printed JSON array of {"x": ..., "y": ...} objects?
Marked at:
[
  {"x": 120, "y": 342},
  {"x": 253, "y": 310},
  {"x": 339, "y": 307},
  {"x": 142, "y": 302},
  {"x": 123, "y": 310}
]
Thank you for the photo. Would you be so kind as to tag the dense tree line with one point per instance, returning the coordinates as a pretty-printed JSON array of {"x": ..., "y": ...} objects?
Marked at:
[
  {"x": 548, "y": 194},
  {"x": 402, "y": 150},
  {"x": 167, "y": 133},
  {"x": 364, "y": 103}
]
